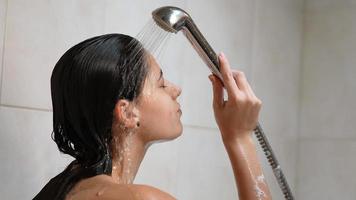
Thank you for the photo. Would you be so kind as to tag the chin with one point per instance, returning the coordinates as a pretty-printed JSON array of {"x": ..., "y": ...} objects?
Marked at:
[
  {"x": 167, "y": 139},
  {"x": 179, "y": 132},
  {"x": 175, "y": 134}
]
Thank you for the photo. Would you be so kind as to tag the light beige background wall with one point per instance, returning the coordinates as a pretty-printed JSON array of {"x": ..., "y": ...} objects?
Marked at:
[
  {"x": 287, "y": 48},
  {"x": 327, "y": 147}
]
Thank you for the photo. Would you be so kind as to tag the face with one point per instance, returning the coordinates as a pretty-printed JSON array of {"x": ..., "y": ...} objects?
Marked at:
[{"x": 159, "y": 111}]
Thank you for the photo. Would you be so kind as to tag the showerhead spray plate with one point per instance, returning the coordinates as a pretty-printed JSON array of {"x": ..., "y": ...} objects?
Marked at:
[{"x": 174, "y": 19}]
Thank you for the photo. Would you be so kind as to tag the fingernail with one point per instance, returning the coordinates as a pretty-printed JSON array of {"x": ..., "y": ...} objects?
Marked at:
[
  {"x": 222, "y": 55},
  {"x": 211, "y": 79}
]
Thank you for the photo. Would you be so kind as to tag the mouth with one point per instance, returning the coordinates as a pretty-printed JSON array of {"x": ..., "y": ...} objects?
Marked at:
[{"x": 179, "y": 111}]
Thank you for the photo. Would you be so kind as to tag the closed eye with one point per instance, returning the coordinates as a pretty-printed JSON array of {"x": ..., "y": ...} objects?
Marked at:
[
  {"x": 161, "y": 78},
  {"x": 163, "y": 85}
]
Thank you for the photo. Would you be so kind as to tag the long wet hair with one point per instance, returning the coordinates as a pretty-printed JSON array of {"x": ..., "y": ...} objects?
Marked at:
[{"x": 86, "y": 83}]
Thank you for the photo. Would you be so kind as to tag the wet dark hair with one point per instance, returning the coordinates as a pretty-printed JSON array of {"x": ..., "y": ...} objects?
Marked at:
[{"x": 86, "y": 83}]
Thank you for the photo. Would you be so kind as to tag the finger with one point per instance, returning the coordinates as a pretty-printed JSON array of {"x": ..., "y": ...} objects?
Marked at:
[
  {"x": 248, "y": 86},
  {"x": 228, "y": 79},
  {"x": 251, "y": 91},
  {"x": 242, "y": 82},
  {"x": 218, "y": 91}
]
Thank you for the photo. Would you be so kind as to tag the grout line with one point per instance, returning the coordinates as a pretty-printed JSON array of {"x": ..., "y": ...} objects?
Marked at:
[
  {"x": 49, "y": 110},
  {"x": 300, "y": 96},
  {"x": 3, "y": 49},
  {"x": 200, "y": 127},
  {"x": 326, "y": 139},
  {"x": 25, "y": 107}
]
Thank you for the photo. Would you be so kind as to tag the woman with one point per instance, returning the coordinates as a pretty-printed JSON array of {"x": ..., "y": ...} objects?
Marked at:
[{"x": 111, "y": 102}]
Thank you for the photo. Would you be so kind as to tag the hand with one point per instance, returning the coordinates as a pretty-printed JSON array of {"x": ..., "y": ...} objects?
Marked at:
[{"x": 238, "y": 116}]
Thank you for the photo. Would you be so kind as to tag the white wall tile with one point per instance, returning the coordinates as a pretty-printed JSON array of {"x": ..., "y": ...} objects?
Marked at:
[
  {"x": 38, "y": 33},
  {"x": 129, "y": 17},
  {"x": 3, "y": 4},
  {"x": 315, "y": 5},
  {"x": 327, "y": 169},
  {"x": 329, "y": 73},
  {"x": 204, "y": 170},
  {"x": 29, "y": 157},
  {"x": 326, "y": 153},
  {"x": 276, "y": 64}
]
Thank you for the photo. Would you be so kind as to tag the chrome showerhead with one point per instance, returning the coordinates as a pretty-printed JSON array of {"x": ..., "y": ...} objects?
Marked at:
[
  {"x": 170, "y": 18},
  {"x": 174, "y": 19}
]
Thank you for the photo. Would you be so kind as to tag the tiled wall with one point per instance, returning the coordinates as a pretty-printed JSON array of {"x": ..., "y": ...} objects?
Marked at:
[
  {"x": 328, "y": 138},
  {"x": 3, "y": 5},
  {"x": 28, "y": 156},
  {"x": 261, "y": 38},
  {"x": 275, "y": 73}
]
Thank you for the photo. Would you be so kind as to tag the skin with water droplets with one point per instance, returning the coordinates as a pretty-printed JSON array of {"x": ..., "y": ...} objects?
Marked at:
[
  {"x": 256, "y": 179},
  {"x": 100, "y": 192}
]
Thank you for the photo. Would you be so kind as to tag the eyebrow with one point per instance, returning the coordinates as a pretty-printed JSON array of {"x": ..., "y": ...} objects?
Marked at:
[{"x": 160, "y": 75}]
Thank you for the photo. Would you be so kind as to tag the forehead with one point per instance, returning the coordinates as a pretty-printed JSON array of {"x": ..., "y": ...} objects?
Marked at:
[{"x": 154, "y": 66}]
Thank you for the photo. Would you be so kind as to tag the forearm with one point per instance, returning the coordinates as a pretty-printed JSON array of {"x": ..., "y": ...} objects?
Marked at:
[{"x": 247, "y": 170}]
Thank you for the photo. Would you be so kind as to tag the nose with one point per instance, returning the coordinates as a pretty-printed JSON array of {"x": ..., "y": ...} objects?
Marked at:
[{"x": 176, "y": 91}]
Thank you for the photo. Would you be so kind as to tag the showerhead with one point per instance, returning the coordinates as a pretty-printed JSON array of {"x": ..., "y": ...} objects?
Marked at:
[
  {"x": 173, "y": 19},
  {"x": 170, "y": 18}
]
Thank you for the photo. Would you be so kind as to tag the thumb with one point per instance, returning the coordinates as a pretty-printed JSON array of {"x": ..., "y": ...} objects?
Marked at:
[{"x": 218, "y": 92}]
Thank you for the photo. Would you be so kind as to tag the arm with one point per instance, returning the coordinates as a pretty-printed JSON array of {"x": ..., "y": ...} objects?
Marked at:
[
  {"x": 249, "y": 177},
  {"x": 236, "y": 119}
]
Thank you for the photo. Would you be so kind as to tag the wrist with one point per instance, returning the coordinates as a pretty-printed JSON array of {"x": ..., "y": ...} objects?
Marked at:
[{"x": 242, "y": 138}]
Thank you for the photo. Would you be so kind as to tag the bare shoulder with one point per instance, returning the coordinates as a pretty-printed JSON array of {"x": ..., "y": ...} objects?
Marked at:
[
  {"x": 135, "y": 192},
  {"x": 147, "y": 192},
  {"x": 113, "y": 191}
]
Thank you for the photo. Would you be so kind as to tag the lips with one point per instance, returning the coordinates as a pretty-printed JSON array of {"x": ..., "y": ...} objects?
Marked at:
[{"x": 179, "y": 110}]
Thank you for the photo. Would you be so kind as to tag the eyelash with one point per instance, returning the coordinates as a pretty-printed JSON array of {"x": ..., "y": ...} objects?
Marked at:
[{"x": 163, "y": 86}]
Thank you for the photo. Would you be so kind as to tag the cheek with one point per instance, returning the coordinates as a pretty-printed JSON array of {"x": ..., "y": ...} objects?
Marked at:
[
  {"x": 159, "y": 111},
  {"x": 162, "y": 109},
  {"x": 157, "y": 102}
]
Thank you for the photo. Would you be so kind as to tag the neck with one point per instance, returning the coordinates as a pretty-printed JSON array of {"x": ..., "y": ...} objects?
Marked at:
[{"x": 128, "y": 153}]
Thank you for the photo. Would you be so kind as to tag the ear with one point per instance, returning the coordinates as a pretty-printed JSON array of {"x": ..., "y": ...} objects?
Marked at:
[{"x": 125, "y": 113}]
